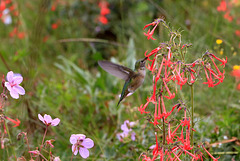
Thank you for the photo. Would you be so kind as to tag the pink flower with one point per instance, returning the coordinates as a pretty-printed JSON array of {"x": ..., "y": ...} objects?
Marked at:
[
  {"x": 56, "y": 159},
  {"x": 81, "y": 144},
  {"x": 126, "y": 126},
  {"x": 13, "y": 84},
  {"x": 47, "y": 120}
]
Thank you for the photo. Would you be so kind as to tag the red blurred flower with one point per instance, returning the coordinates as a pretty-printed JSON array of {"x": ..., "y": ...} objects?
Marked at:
[
  {"x": 21, "y": 35},
  {"x": 104, "y": 10},
  {"x": 103, "y": 20},
  {"x": 54, "y": 26},
  {"x": 2, "y": 5},
  {"x": 237, "y": 32},
  {"x": 236, "y": 74},
  {"x": 222, "y": 6},
  {"x": 228, "y": 17}
]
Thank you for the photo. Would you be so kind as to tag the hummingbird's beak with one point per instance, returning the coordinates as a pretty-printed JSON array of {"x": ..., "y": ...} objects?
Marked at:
[{"x": 144, "y": 59}]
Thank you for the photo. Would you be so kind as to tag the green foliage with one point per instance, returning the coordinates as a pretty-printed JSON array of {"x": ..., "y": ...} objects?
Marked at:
[{"x": 62, "y": 79}]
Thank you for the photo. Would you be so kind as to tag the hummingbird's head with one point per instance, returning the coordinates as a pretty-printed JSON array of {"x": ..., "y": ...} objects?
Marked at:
[{"x": 140, "y": 64}]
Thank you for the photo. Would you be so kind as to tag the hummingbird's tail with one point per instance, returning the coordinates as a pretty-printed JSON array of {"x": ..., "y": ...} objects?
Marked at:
[{"x": 119, "y": 101}]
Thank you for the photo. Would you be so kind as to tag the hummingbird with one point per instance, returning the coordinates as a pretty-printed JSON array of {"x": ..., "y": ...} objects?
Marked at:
[{"x": 133, "y": 78}]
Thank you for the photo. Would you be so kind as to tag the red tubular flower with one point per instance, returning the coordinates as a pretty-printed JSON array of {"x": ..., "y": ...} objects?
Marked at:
[
  {"x": 150, "y": 33},
  {"x": 146, "y": 158},
  {"x": 185, "y": 121},
  {"x": 224, "y": 61},
  {"x": 179, "y": 76},
  {"x": 186, "y": 144},
  {"x": 159, "y": 70},
  {"x": 192, "y": 78},
  {"x": 159, "y": 109},
  {"x": 153, "y": 23},
  {"x": 173, "y": 133},
  {"x": 181, "y": 138},
  {"x": 155, "y": 116},
  {"x": 153, "y": 98},
  {"x": 168, "y": 62},
  {"x": 142, "y": 109},
  {"x": 165, "y": 114},
  {"x": 169, "y": 113},
  {"x": 210, "y": 82},
  {"x": 152, "y": 67},
  {"x": 171, "y": 95},
  {"x": 176, "y": 156},
  {"x": 220, "y": 75},
  {"x": 152, "y": 52},
  {"x": 156, "y": 149},
  {"x": 170, "y": 136},
  {"x": 214, "y": 159},
  {"x": 192, "y": 155}
]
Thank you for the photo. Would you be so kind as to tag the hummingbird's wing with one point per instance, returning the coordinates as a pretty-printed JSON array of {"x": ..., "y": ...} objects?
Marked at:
[{"x": 116, "y": 70}]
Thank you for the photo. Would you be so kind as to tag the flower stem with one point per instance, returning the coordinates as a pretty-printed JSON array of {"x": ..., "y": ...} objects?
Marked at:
[
  {"x": 72, "y": 157},
  {"x": 192, "y": 114},
  {"x": 43, "y": 139}
]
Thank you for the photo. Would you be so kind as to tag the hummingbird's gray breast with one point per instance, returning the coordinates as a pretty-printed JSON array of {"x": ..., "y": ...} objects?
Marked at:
[{"x": 137, "y": 81}]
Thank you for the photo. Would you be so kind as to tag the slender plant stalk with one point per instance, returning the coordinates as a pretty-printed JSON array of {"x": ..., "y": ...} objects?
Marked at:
[
  {"x": 43, "y": 140},
  {"x": 10, "y": 140},
  {"x": 192, "y": 114},
  {"x": 25, "y": 137}
]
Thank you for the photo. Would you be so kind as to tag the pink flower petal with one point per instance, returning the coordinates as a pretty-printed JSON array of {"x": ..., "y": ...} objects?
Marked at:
[
  {"x": 80, "y": 136},
  {"x": 47, "y": 118},
  {"x": 7, "y": 84},
  {"x": 41, "y": 118},
  {"x": 55, "y": 122},
  {"x": 18, "y": 79},
  {"x": 14, "y": 94},
  {"x": 19, "y": 89},
  {"x": 74, "y": 150},
  {"x": 88, "y": 143},
  {"x": 73, "y": 139},
  {"x": 84, "y": 152},
  {"x": 10, "y": 76}
]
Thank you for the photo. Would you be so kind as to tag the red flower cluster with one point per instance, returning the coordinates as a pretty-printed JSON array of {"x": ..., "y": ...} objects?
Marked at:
[
  {"x": 176, "y": 151},
  {"x": 18, "y": 34},
  {"x": 231, "y": 10},
  {"x": 7, "y": 4},
  {"x": 224, "y": 7},
  {"x": 169, "y": 70},
  {"x": 54, "y": 5},
  {"x": 104, "y": 10},
  {"x": 236, "y": 74},
  {"x": 173, "y": 71},
  {"x": 8, "y": 8}
]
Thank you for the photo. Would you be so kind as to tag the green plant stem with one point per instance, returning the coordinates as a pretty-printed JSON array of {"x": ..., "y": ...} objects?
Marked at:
[
  {"x": 72, "y": 157},
  {"x": 43, "y": 140},
  {"x": 9, "y": 136},
  {"x": 192, "y": 114}
]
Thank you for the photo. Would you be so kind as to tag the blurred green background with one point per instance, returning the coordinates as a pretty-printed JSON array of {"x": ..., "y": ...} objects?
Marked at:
[{"x": 62, "y": 78}]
